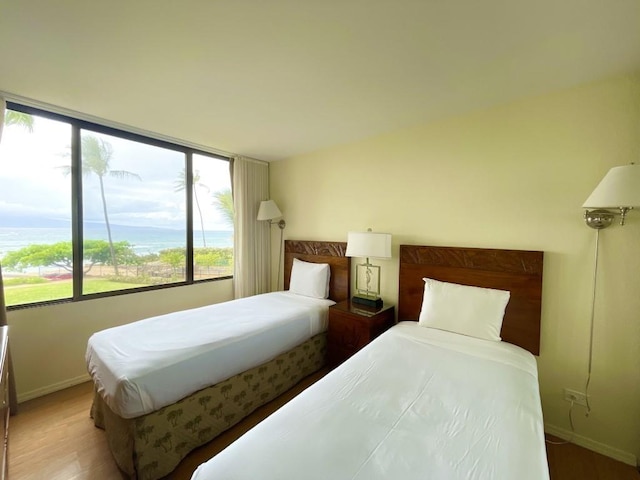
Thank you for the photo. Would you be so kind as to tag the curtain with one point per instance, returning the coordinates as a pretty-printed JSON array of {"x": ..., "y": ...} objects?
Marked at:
[
  {"x": 252, "y": 239},
  {"x": 13, "y": 397}
]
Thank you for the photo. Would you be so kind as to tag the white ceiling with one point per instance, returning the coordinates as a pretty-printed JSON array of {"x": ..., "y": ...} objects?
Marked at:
[{"x": 278, "y": 78}]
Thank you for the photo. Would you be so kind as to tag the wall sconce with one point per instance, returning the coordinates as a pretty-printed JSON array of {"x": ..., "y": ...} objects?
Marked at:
[
  {"x": 269, "y": 211},
  {"x": 619, "y": 189},
  {"x": 368, "y": 244}
]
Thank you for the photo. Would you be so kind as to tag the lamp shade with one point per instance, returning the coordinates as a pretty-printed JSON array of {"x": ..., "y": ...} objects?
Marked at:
[
  {"x": 369, "y": 244},
  {"x": 268, "y": 210},
  {"x": 620, "y": 187}
]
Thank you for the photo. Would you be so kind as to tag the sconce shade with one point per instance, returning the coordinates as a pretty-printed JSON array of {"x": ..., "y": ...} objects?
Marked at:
[
  {"x": 268, "y": 210},
  {"x": 620, "y": 187},
  {"x": 368, "y": 244}
]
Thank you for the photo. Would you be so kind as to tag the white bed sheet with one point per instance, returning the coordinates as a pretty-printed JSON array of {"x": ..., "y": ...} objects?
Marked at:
[
  {"x": 145, "y": 365},
  {"x": 416, "y": 403}
]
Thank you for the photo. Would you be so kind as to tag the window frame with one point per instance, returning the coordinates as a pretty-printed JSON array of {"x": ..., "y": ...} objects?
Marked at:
[{"x": 77, "y": 125}]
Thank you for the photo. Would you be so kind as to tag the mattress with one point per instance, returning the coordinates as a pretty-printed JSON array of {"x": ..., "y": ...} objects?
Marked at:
[
  {"x": 143, "y": 366},
  {"x": 415, "y": 403}
]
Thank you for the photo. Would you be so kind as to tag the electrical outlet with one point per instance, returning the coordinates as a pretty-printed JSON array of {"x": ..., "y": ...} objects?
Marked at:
[{"x": 578, "y": 398}]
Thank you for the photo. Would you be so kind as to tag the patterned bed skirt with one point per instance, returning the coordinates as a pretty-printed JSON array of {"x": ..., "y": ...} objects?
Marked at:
[{"x": 151, "y": 446}]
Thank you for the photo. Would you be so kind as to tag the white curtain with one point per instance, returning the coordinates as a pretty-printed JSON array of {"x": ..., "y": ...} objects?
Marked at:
[
  {"x": 252, "y": 239},
  {"x": 2, "y": 107},
  {"x": 13, "y": 399}
]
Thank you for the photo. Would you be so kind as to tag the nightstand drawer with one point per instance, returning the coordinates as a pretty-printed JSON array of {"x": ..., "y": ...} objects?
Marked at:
[
  {"x": 348, "y": 332},
  {"x": 351, "y": 328}
]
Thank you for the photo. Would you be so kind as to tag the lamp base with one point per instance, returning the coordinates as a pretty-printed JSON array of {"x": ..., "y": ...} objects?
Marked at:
[{"x": 374, "y": 302}]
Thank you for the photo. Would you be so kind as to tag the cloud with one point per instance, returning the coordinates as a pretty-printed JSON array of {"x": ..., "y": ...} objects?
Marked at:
[{"x": 34, "y": 187}]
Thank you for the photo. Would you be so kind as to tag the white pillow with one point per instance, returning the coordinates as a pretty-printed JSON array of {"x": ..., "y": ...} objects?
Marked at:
[
  {"x": 473, "y": 311},
  {"x": 310, "y": 279}
]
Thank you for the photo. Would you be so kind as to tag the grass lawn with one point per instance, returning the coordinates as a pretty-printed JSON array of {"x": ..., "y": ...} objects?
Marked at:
[{"x": 57, "y": 289}]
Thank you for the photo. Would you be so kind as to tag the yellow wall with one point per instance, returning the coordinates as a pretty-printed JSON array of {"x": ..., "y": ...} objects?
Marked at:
[
  {"x": 511, "y": 177},
  {"x": 48, "y": 343}
]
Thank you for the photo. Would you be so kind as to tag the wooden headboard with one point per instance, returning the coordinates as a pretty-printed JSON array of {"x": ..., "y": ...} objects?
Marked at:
[
  {"x": 518, "y": 271},
  {"x": 321, "y": 252}
]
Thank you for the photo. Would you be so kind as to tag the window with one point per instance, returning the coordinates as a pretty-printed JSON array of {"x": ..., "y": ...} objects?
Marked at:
[
  {"x": 213, "y": 242},
  {"x": 87, "y": 210},
  {"x": 35, "y": 211}
]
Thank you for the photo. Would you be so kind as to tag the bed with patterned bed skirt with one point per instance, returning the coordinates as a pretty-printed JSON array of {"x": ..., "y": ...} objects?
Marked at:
[{"x": 149, "y": 447}]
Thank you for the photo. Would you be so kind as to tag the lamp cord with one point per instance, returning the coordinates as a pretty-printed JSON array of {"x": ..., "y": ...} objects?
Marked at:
[
  {"x": 593, "y": 308},
  {"x": 279, "y": 260},
  {"x": 573, "y": 430},
  {"x": 586, "y": 387}
]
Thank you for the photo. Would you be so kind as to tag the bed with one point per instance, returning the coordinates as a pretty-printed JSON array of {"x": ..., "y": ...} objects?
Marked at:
[
  {"x": 419, "y": 402},
  {"x": 186, "y": 385}
]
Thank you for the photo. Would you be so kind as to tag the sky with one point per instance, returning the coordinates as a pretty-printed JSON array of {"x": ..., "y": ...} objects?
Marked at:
[{"x": 34, "y": 187}]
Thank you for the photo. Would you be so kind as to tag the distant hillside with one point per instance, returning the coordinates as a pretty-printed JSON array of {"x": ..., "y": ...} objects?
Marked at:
[{"x": 21, "y": 221}]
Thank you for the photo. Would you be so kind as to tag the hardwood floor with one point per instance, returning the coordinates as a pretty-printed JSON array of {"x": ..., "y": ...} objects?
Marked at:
[
  {"x": 53, "y": 438},
  {"x": 571, "y": 462}
]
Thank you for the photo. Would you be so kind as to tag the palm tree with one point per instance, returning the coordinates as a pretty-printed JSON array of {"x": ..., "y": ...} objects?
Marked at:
[
  {"x": 223, "y": 201},
  {"x": 181, "y": 184},
  {"x": 96, "y": 156},
  {"x": 11, "y": 117}
]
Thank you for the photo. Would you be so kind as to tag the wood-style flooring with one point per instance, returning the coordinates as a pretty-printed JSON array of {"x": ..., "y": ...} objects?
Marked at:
[{"x": 53, "y": 438}]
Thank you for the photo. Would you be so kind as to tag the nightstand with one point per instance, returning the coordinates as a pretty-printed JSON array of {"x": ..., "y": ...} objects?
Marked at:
[{"x": 352, "y": 326}]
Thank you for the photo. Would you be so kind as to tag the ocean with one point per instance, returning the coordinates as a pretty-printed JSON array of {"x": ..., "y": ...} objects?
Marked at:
[{"x": 144, "y": 240}]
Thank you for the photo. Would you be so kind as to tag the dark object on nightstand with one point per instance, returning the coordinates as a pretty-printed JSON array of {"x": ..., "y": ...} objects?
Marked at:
[
  {"x": 373, "y": 302},
  {"x": 352, "y": 326}
]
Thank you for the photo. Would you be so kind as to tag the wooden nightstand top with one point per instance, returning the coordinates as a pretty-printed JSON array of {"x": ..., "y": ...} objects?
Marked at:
[{"x": 358, "y": 309}]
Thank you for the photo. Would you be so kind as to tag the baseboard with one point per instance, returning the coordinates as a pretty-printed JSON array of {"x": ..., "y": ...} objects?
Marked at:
[
  {"x": 40, "y": 392},
  {"x": 616, "y": 454}
]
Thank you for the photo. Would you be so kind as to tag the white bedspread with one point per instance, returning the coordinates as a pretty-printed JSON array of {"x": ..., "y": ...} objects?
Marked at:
[
  {"x": 146, "y": 365},
  {"x": 416, "y": 403}
]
